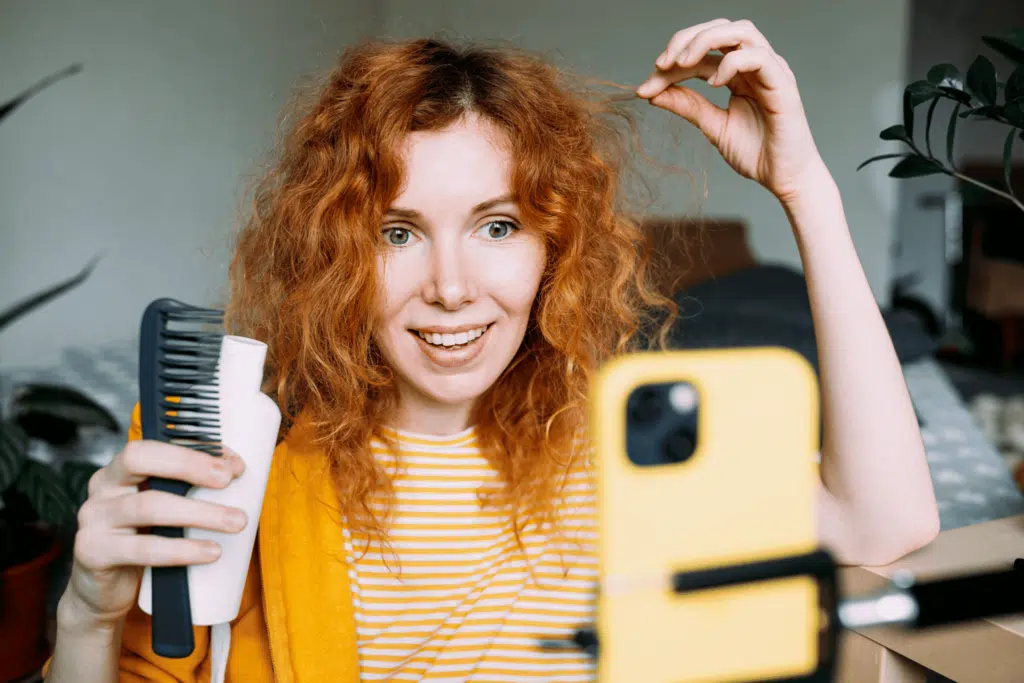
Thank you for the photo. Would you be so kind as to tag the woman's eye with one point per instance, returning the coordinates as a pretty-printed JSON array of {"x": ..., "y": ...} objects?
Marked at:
[
  {"x": 397, "y": 237},
  {"x": 499, "y": 230}
]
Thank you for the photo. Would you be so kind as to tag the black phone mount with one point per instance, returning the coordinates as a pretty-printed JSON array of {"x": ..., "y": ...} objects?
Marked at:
[
  {"x": 938, "y": 602},
  {"x": 818, "y": 565}
]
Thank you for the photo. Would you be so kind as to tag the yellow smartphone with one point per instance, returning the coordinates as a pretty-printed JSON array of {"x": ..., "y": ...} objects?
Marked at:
[{"x": 706, "y": 460}]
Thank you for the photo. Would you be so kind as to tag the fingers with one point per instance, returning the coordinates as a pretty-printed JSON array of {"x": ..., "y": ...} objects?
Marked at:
[
  {"x": 97, "y": 550},
  {"x": 721, "y": 37},
  {"x": 695, "y": 108},
  {"x": 141, "y": 460},
  {"x": 687, "y": 56},
  {"x": 108, "y": 526},
  {"x": 158, "y": 508},
  {"x": 681, "y": 39},
  {"x": 761, "y": 64},
  {"x": 661, "y": 79}
]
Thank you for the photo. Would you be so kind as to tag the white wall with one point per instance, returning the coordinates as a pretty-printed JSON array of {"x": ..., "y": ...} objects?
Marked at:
[
  {"x": 143, "y": 155},
  {"x": 948, "y": 31},
  {"x": 849, "y": 59}
]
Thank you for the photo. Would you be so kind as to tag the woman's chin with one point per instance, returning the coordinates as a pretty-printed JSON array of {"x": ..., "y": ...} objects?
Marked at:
[{"x": 454, "y": 390}]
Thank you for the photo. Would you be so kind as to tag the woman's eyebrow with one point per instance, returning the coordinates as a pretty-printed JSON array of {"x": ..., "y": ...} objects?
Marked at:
[{"x": 400, "y": 212}]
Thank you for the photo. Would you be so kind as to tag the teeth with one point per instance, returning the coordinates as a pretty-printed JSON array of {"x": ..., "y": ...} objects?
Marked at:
[{"x": 456, "y": 339}]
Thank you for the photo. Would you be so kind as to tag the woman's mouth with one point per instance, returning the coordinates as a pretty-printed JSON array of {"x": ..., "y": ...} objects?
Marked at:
[
  {"x": 452, "y": 349},
  {"x": 452, "y": 341}
]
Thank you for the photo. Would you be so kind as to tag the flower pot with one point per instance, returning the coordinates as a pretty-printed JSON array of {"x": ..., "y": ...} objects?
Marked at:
[{"x": 23, "y": 592}]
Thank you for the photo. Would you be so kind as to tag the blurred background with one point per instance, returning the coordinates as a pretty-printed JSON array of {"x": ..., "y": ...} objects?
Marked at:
[
  {"x": 144, "y": 158},
  {"x": 145, "y": 155}
]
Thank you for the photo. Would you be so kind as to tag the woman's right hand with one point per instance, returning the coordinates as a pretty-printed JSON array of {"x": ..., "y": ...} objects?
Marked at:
[{"x": 110, "y": 553}]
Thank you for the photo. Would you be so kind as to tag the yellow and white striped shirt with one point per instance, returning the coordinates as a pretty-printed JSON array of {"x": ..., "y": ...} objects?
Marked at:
[{"x": 451, "y": 596}]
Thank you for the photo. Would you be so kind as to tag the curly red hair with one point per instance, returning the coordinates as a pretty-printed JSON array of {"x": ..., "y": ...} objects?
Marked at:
[{"x": 303, "y": 277}]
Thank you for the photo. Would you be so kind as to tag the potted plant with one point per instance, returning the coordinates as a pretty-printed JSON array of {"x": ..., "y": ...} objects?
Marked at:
[
  {"x": 38, "y": 500},
  {"x": 979, "y": 95}
]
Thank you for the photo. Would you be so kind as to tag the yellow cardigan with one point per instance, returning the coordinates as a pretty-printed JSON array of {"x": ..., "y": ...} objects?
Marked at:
[{"x": 296, "y": 622}]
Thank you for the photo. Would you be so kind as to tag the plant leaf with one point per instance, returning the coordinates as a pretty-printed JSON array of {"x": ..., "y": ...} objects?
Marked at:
[
  {"x": 920, "y": 91},
  {"x": 915, "y": 167},
  {"x": 951, "y": 133},
  {"x": 928, "y": 126},
  {"x": 1008, "y": 159},
  {"x": 946, "y": 75},
  {"x": 75, "y": 476},
  {"x": 913, "y": 95},
  {"x": 988, "y": 110},
  {"x": 1011, "y": 46},
  {"x": 45, "y": 492},
  {"x": 31, "y": 303},
  {"x": 896, "y": 132},
  {"x": 7, "y": 108},
  {"x": 956, "y": 95},
  {"x": 1015, "y": 84},
  {"x": 1014, "y": 112},
  {"x": 908, "y": 114},
  {"x": 13, "y": 447},
  {"x": 62, "y": 402},
  {"x": 981, "y": 80},
  {"x": 883, "y": 156}
]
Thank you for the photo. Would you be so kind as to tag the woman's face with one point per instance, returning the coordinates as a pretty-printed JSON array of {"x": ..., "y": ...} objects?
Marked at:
[{"x": 459, "y": 274}]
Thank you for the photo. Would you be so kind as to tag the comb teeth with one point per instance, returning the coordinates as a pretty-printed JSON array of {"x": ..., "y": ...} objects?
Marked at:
[
  {"x": 192, "y": 407},
  {"x": 181, "y": 375}
]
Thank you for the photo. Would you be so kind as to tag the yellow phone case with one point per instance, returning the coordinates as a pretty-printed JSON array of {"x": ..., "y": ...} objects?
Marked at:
[{"x": 747, "y": 494}]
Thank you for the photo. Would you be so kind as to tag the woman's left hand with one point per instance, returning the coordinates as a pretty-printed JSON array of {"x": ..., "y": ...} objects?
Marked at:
[{"x": 763, "y": 134}]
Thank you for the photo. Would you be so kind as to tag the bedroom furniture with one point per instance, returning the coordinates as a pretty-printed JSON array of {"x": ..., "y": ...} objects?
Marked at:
[
  {"x": 988, "y": 282},
  {"x": 695, "y": 250},
  {"x": 995, "y": 286}
]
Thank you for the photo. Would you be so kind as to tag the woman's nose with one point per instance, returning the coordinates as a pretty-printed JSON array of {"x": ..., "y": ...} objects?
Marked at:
[{"x": 450, "y": 283}]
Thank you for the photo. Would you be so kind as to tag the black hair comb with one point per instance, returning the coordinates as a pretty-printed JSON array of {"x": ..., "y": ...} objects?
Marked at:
[{"x": 178, "y": 396}]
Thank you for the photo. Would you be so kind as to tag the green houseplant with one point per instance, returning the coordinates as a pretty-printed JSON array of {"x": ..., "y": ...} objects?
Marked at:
[
  {"x": 979, "y": 94},
  {"x": 39, "y": 500}
]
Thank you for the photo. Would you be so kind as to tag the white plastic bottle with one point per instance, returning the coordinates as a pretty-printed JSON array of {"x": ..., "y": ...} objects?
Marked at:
[{"x": 249, "y": 422}]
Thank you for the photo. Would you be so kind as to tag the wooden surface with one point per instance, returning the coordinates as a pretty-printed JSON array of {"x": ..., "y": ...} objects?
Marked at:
[
  {"x": 691, "y": 250},
  {"x": 862, "y": 660},
  {"x": 984, "y": 651}
]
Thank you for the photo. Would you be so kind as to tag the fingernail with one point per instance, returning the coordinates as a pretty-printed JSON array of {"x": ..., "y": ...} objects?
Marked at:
[
  {"x": 662, "y": 60},
  {"x": 211, "y": 549},
  {"x": 222, "y": 470},
  {"x": 237, "y": 519}
]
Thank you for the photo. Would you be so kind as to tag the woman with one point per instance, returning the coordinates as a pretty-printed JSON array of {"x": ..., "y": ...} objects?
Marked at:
[{"x": 438, "y": 264}]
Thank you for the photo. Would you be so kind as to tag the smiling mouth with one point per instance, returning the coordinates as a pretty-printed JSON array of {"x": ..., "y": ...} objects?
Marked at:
[{"x": 454, "y": 341}]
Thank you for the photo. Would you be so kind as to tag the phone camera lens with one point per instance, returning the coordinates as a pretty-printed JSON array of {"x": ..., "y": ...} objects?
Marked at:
[
  {"x": 678, "y": 446},
  {"x": 645, "y": 406}
]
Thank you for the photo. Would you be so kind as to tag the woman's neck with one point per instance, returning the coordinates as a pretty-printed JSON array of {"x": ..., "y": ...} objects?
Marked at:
[{"x": 420, "y": 415}]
